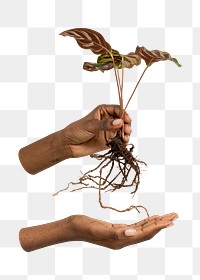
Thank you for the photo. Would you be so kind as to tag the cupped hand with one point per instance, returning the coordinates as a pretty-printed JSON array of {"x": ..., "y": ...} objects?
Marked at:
[
  {"x": 117, "y": 236},
  {"x": 91, "y": 133}
]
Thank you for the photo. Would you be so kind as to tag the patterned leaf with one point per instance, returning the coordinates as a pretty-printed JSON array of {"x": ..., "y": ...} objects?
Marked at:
[
  {"x": 88, "y": 39},
  {"x": 130, "y": 60},
  {"x": 105, "y": 62},
  {"x": 97, "y": 66},
  {"x": 106, "y": 58},
  {"x": 154, "y": 56}
]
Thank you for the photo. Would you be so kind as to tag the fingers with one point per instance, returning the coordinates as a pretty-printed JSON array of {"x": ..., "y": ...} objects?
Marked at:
[
  {"x": 108, "y": 118},
  {"x": 171, "y": 216},
  {"x": 95, "y": 125},
  {"x": 127, "y": 119},
  {"x": 127, "y": 129},
  {"x": 115, "y": 111},
  {"x": 141, "y": 231},
  {"x": 147, "y": 220},
  {"x": 155, "y": 220},
  {"x": 127, "y": 133},
  {"x": 147, "y": 228},
  {"x": 126, "y": 139},
  {"x": 121, "y": 235}
]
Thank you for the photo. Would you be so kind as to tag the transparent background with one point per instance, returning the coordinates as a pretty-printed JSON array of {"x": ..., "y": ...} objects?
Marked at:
[{"x": 43, "y": 88}]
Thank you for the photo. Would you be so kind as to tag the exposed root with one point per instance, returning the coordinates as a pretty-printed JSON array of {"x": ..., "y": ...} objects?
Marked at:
[{"x": 108, "y": 179}]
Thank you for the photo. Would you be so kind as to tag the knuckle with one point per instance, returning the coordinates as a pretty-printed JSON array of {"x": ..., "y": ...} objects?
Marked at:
[{"x": 99, "y": 107}]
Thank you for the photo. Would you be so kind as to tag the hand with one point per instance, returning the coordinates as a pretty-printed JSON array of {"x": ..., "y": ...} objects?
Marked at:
[
  {"x": 89, "y": 134},
  {"x": 117, "y": 236},
  {"x": 83, "y": 228}
]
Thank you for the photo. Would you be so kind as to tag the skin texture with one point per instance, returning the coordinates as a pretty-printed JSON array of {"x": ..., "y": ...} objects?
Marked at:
[
  {"x": 81, "y": 138},
  {"x": 90, "y": 134},
  {"x": 113, "y": 235},
  {"x": 84, "y": 228}
]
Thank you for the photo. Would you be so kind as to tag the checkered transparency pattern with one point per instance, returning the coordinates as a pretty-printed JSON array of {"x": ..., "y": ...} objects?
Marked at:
[{"x": 43, "y": 88}]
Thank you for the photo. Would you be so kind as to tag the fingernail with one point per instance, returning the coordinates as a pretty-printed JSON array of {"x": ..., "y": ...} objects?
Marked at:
[
  {"x": 130, "y": 232},
  {"x": 174, "y": 219},
  {"x": 117, "y": 122}
]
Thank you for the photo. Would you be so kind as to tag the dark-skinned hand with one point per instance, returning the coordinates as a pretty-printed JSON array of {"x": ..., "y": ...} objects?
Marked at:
[
  {"x": 117, "y": 236},
  {"x": 90, "y": 134}
]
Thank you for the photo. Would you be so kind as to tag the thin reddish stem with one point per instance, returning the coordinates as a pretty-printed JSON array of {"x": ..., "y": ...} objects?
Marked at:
[
  {"x": 136, "y": 87},
  {"x": 118, "y": 84},
  {"x": 122, "y": 83},
  {"x": 117, "y": 80}
]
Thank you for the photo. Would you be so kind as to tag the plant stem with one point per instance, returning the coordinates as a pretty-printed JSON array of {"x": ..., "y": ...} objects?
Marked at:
[
  {"x": 122, "y": 101},
  {"x": 136, "y": 87},
  {"x": 117, "y": 78},
  {"x": 120, "y": 88},
  {"x": 118, "y": 83},
  {"x": 122, "y": 84}
]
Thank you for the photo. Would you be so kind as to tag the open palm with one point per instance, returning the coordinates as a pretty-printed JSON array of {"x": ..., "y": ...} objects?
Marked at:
[{"x": 117, "y": 236}]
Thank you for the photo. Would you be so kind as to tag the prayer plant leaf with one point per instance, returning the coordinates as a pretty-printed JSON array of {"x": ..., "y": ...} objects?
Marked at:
[
  {"x": 154, "y": 56},
  {"x": 105, "y": 57},
  {"x": 105, "y": 61},
  {"x": 88, "y": 39},
  {"x": 131, "y": 59},
  {"x": 97, "y": 66}
]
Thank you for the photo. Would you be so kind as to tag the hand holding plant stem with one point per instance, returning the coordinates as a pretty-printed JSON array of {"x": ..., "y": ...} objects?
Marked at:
[{"x": 118, "y": 154}]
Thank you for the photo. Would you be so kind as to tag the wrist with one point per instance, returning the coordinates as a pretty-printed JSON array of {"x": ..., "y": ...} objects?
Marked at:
[
  {"x": 69, "y": 229},
  {"x": 36, "y": 237},
  {"x": 65, "y": 148},
  {"x": 45, "y": 153},
  {"x": 73, "y": 228}
]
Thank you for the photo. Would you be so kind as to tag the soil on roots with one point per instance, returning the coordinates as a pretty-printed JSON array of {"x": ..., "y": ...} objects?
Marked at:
[{"x": 118, "y": 168}]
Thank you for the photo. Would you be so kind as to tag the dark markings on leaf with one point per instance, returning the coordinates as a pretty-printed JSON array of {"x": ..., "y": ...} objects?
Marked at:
[
  {"x": 105, "y": 61},
  {"x": 88, "y": 39},
  {"x": 97, "y": 66},
  {"x": 154, "y": 56}
]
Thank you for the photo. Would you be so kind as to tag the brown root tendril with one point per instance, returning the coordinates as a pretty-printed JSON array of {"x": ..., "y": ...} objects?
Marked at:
[{"x": 109, "y": 179}]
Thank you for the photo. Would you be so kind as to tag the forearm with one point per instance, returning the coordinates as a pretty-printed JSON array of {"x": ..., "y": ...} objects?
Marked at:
[
  {"x": 45, "y": 153},
  {"x": 37, "y": 237}
]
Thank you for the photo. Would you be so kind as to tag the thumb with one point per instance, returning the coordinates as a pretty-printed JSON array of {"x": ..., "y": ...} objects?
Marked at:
[
  {"x": 121, "y": 233},
  {"x": 104, "y": 125}
]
